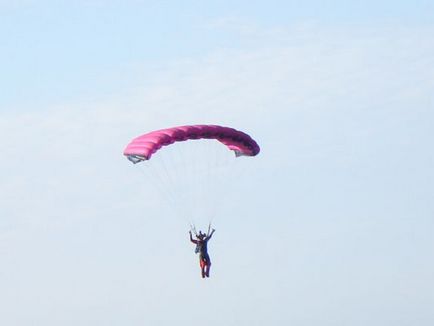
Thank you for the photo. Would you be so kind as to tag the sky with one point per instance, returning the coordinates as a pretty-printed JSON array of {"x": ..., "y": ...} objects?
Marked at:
[{"x": 330, "y": 224}]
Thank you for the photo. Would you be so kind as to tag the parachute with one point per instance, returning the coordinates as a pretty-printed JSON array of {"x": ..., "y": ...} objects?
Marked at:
[
  {"x": 194, "y": 177},
  {"x": 142, "y": 147}
]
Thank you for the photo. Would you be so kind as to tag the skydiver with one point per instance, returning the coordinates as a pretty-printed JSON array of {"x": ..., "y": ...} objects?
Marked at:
[{"x": 202, "y": 248}]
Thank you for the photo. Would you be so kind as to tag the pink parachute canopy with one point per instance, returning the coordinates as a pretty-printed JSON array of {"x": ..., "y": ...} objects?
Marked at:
[{"x": 142, "y": 147}]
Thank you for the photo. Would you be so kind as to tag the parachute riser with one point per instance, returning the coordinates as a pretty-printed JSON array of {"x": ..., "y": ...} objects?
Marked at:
[{"x": 193, "y": 229}]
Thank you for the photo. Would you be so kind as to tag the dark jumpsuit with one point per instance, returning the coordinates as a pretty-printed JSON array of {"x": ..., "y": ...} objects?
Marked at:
[{"x": 202, "y": 249}]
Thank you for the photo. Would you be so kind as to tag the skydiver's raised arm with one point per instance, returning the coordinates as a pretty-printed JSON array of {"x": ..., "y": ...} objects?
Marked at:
[
  {"x": 191, "y": 238},
  {"x": 210, "y": 235}
]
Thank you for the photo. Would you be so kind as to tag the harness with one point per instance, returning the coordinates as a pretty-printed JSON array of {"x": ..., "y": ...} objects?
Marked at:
[{"x": 193, "y": 228}]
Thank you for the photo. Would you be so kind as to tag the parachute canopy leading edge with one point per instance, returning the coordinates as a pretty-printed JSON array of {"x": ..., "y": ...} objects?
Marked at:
[{"x": 142, "y": 147}]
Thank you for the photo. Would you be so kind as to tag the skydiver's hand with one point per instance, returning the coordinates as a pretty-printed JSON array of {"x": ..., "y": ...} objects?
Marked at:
[
  {"x": 189, "y": 232},
  {"x": 213, "y": 230}
]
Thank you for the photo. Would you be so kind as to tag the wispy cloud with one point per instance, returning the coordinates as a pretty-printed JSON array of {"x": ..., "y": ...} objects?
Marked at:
[
  {"x": 316, "y": 95},
  {"x": 344, "y": 118}
]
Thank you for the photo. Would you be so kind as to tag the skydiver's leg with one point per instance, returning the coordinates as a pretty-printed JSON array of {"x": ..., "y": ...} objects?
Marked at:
[
  {"x": 208, "y": 266},
  {"x": 202, "y": 267}
]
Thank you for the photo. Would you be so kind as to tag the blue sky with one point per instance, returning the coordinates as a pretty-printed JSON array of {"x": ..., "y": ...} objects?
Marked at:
[
  {"x": 333, "y": 220},
  {"x": 56, "y": 50}
]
